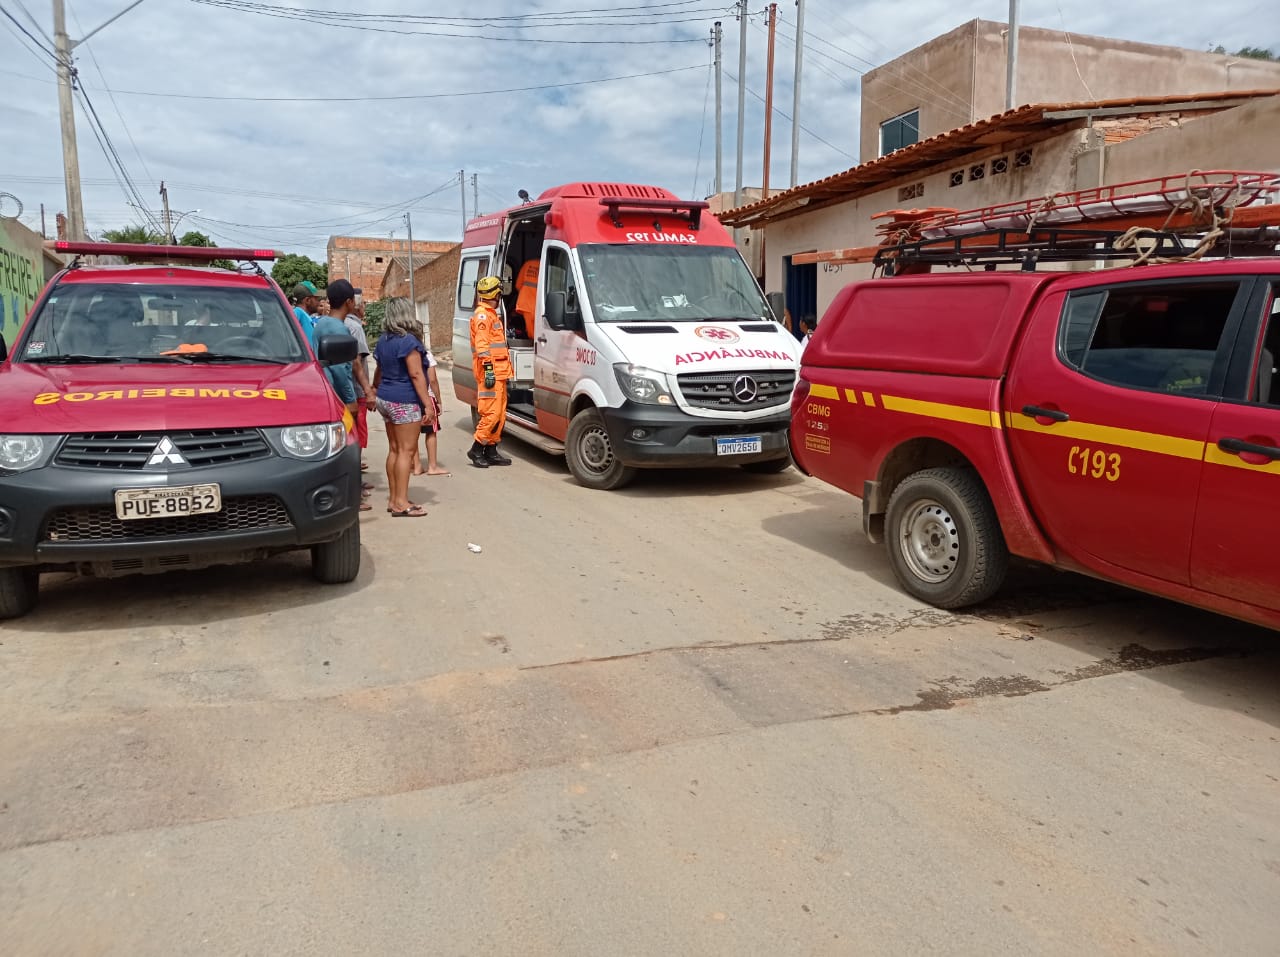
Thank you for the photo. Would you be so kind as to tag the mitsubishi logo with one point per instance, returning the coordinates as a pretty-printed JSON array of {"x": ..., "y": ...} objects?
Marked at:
[
  {"x": 166, "y": 453},
  {"x": 745, "y": 389}
]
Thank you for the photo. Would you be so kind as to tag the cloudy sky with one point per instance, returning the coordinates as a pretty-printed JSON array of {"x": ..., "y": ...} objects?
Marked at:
[{"x": 271, "y": 128}]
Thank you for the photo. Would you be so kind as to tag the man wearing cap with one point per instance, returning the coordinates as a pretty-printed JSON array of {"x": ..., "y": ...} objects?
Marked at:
[
  {"x": 491, "y": 364},
  {"x": 342, "y": 298},
  {"x": 306, "y": 303}
]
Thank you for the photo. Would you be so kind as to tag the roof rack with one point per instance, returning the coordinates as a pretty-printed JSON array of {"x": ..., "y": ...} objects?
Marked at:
[{"x": 1233, "y": 213}]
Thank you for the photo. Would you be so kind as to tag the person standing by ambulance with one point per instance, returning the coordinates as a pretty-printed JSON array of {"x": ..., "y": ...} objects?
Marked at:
[{"x": 491, "y": 364}]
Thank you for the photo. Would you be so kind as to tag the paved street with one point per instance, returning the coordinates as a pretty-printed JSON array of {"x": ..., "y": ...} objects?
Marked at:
[{"x": 692, "y": 717}]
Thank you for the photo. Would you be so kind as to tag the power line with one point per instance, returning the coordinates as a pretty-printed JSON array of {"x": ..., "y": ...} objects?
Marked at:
[
  {"x": 47, "y": 51},
  {"x": 393, "y": 97},
  {"x": 102, "y": 76},
  {"x": 806, "y": 129},
  {"x": 348, "y": 21},
  {"x": 702, "y": 128}
]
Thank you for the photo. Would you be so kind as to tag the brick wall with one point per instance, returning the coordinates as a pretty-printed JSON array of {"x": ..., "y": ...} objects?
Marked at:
[
  {"x": 436, "y": 284},
  {"x": 363, "y": 260}
]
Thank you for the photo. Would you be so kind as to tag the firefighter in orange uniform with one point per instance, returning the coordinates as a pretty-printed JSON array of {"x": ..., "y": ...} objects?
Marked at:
[
  {"x": 527, "y": 287},
  {"x": 492, "y": 367}
]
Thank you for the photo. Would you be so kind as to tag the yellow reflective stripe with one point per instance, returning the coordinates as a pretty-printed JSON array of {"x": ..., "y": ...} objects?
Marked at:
[
  {"x": 1215, "y": 456},
  {"x": 819, "y": 391},
  {"x": 940, "y": 410},
  {"x": 1110, "y": 435},
  {"x": 869, "y": 399},
  {"x": 851, "y": 395}
]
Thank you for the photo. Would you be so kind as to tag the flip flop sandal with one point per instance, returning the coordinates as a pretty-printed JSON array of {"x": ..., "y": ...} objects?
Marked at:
[
  {"x": 367, "y": 486},
  {"x": 366, "y": 507},
  {"x": 411, "y": 506},
  {"x": 416, "y": 511}
]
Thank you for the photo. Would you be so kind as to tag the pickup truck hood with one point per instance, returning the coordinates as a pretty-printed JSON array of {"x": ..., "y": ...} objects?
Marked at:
[
  {"x": 680, "y": 347},
  {"x": 152, "y": 398}
]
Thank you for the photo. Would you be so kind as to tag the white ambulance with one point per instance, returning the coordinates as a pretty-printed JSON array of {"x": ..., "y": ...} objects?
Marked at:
[{"x": 638, "y": 336}]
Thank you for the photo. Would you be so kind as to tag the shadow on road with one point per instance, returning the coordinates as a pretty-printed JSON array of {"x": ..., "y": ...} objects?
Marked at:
[{"x": 70, "y": 603}]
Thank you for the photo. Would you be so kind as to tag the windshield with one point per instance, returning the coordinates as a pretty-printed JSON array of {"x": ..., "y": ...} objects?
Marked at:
[
  {"x": 124, "y": 322},
  {"x": 646, "y": 283}
]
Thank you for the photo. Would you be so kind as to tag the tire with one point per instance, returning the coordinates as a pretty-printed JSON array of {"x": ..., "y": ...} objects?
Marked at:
[
  {"x": 589, "y": 452},
  {"x": 768, "y": 467},
  {"x": 944, "y": 539},
  {"x": 19, "y": 589},
  {"x": 337, "y": 562}
]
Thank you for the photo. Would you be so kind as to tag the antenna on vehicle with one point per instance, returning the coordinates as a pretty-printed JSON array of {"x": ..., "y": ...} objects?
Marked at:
[{"x": 524, "y": 195}]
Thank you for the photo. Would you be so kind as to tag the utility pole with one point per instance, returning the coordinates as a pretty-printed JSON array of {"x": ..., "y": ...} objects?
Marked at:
[
  {"x": 44, "y": 234},
  {"x": 413, "y": 297},
  {"x": 475, "y": 193},
  {"x": 768, "y": 98},
  {"x": 462, "y": 183},
  {"x": 1011, "y": 60},
  {"x": 63, "y": 45},
  {"x": 67, "y": 115},
  {"x": 795, "y": 102},
  {"x": 742, "y": 95},
  {"x": 168, "y": 221},
  {"x": 717, "y": 36}
]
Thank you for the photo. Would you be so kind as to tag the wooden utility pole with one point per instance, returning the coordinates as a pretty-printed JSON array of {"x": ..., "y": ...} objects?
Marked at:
[
  {"x": 795, "y": 106},
  {"x": 768, "y": 98}
]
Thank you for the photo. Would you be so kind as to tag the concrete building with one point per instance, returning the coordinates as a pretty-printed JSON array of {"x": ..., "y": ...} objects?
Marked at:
[
  {"x": 1061, "y": 143},
  {"x": 364, "y": 259}
]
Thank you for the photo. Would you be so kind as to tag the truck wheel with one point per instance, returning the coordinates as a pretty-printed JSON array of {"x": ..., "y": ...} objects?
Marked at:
[
  {"x": 944, "y": 539},
  {"x": 589, "y": 452},
  {"x": 337, "y": 562},
  {"x": 19, "y": 588},
  {"x": 768, "y": 467}
]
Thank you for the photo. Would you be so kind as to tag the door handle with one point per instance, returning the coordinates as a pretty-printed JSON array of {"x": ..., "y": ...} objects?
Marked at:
[
  {"x": 1054, "y": 415},
  {"x": 542, "y": 339},
  {"x": 1242, "y": 448}
]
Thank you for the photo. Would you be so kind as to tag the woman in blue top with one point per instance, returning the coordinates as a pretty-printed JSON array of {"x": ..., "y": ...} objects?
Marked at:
[{"x": 403, "y": 400}]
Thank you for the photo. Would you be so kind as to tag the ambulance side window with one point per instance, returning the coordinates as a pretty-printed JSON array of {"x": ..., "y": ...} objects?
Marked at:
[
  {"x": 472, "y": 271},
  {"x": 1164, "y": 337}
]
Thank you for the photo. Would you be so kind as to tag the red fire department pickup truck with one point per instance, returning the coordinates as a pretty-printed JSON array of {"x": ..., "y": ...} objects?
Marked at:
[
  {"x": 1120, "y": 422},
  {"x": 169, "y": 415}
]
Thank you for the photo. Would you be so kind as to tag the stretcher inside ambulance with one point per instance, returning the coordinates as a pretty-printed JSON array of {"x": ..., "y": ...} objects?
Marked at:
[{"x": 638, "y": 336}]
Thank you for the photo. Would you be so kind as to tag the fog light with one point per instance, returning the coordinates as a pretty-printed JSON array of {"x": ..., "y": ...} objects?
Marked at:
[
  {"x": 323, "y": 502},
  {"x": 6, "y": 524},
  {"x": 639, "y": 435}
]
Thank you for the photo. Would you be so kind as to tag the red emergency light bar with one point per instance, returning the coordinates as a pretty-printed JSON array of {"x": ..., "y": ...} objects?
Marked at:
[
  {"x": 693, "y": 208},
  {"x": 197, "y": 253}
]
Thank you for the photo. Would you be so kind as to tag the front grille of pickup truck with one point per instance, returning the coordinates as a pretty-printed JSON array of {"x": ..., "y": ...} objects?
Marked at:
[
  {"x": 722, "y": 390},
  {"x": 130, "y": 451},
  {"x": 99, "y": 523}
]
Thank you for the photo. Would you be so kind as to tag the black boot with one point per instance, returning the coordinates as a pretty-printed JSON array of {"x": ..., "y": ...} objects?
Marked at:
[
  {"x": 477, "y": 455},
  {"x": 494, "y": 457}
]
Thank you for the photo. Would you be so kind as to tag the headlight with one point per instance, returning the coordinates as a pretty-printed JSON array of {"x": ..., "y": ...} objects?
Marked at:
[
  {"x": 313, "y": 441},
  {"x": 21, "y": 452},
  {"x": 643, "y": 385}
]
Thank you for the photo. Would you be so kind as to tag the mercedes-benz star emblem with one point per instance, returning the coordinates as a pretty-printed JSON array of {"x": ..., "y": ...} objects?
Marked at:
[
  {"x": 745, "y": 389},
  {"x": 166, "y": 453}
]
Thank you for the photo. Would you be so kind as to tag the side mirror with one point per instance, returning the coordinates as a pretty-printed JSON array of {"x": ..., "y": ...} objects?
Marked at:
[
  {"x": 555, "y": 310},
  {"x": 336, "y": 350},
  {"x": 4, "y": 349}
]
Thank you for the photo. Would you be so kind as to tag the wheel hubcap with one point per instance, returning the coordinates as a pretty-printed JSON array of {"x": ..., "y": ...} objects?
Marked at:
[
  {"x": 596, "y": 450},
  {"x": 930, "y": 541}
]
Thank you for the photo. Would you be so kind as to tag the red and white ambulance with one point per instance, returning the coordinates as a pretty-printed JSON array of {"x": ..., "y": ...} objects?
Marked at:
[{"x": 645, "y": 342}]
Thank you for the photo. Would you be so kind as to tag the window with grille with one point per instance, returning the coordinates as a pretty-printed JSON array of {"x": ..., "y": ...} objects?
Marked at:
[
  {"x": 914, "y": 191},
  {"x": 957, "y": 178},
  {"x": 1022, "y": 159},
  {"x": 999, "y": 165},
  {"x": 977, "y": 171},
  {"x": 899, "y": 132}
]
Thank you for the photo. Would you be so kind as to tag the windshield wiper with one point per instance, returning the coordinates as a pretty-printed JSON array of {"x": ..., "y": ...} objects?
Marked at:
[
  {"x": 72, "y": 359},
  {"x": 230, "y": 357}
]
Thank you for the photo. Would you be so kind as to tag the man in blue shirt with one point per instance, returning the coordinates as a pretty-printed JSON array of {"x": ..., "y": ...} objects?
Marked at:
[
  {"x": 306, "y": 305},
  {"x": 342, "y": 299}
]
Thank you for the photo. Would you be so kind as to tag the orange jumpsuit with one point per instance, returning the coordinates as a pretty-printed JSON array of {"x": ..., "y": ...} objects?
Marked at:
[
  {"x": 489, "y": 344},
  {"x": 526, "y": 302}
]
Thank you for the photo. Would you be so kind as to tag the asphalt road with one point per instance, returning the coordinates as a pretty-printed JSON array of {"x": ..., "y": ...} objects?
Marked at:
[{"x": 692, "y": 717}]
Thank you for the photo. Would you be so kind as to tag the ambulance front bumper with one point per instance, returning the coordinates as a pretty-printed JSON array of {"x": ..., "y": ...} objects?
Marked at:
[{"x": 646, "y": 436}]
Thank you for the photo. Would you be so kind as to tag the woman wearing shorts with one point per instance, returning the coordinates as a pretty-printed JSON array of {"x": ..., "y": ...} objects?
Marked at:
[{"x": 404, "y": 401}]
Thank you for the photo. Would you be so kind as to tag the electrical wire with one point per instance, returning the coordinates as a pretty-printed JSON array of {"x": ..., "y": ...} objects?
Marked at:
[
  {"x": 702, "y": 128},
  {"x": 30, "y": 38},
  {"x": 103, "y": 77},
  {"x": 336, "y": 19},
  {"x": 778, "y": 112},
  {"x": 400, "y": 96}
]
